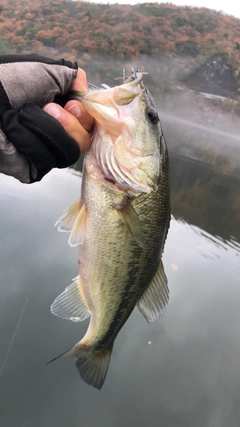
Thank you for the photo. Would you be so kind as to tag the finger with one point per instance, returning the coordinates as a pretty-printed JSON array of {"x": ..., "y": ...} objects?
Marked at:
[
  {"x": 74, "y": 107},
  {"x": 71, "y": 125},
  {"x": 80, "y": 83}
]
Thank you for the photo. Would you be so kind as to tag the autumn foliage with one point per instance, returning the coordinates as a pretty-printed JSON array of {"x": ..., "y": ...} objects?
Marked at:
[{"x": 85, "y": 32}]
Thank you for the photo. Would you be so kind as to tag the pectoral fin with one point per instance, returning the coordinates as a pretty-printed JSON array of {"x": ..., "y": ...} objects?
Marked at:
[
  {"x": 131, "y": 219},
  {"x": 70, "y": 304},
  {"x": 154, "y": 300}
]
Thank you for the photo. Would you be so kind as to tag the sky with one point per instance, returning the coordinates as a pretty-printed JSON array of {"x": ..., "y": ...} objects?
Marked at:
[{"x": 231, "y": 7}]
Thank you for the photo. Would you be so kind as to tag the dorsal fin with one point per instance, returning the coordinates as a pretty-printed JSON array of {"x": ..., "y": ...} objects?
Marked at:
[{"x": 154, "y": 300}]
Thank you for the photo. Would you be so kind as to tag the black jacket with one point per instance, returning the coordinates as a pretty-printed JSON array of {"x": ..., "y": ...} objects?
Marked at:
[{"x": 31, "y": 141}]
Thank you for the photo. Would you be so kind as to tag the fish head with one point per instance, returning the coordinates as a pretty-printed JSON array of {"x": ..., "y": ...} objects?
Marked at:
[{"x": 127, "y": 135}]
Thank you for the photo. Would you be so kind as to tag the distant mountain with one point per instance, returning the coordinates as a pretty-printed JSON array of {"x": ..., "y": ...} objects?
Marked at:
[
  {"x": 184, "y": 36},
  {"x": 214, "y": 77}
]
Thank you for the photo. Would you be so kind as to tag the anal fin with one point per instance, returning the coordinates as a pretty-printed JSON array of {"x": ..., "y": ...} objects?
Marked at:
[
  {"x": 155, "y": 298},
  {"x": 70, "y": 304}
]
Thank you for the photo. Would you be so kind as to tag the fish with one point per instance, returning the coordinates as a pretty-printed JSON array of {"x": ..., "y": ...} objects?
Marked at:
[{"x": 120, "y": 223}]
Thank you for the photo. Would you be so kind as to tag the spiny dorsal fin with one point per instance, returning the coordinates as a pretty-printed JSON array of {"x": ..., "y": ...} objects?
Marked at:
[
  {"x": 154, "y": 300},
  {"x": 131, "y": 219},
  {"x": 78, "y": 232},
  {"x": 70, "y": 304},
  {"x": 66, "y": 221}
]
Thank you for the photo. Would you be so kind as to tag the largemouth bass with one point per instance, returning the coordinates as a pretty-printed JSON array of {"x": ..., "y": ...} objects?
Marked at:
[{"x": 120, "y": 222}]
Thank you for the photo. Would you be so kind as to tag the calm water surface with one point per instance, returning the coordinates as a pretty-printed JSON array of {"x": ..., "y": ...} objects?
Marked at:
[{"x": 183, "y": 370}]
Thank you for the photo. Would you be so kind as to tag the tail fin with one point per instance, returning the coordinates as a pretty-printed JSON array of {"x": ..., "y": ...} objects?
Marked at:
[{"x": 92, "y": 365}]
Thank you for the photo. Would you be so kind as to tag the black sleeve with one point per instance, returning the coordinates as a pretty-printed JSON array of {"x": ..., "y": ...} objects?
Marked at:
[{"x": 31, "y": 141}]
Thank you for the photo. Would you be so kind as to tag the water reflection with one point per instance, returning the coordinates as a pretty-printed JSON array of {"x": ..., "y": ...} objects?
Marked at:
[
  {"x": 205, "y": 197},
  {"x": 190, "y": 373}
]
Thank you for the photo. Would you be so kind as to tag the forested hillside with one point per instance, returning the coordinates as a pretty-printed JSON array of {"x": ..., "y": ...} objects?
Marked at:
[{"x": 183, "y": 36}]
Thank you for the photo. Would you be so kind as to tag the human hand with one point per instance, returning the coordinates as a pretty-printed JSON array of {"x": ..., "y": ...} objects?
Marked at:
[
  {"x": 32, "y": 142},
  {"x": 73, "y": 117}
]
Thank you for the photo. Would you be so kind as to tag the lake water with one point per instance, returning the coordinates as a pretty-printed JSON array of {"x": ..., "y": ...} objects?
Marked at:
[{"x": 181, "y": 371}]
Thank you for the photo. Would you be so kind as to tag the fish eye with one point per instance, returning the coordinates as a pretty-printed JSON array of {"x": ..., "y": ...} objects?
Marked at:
[{"x": 152, "y": 115}]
